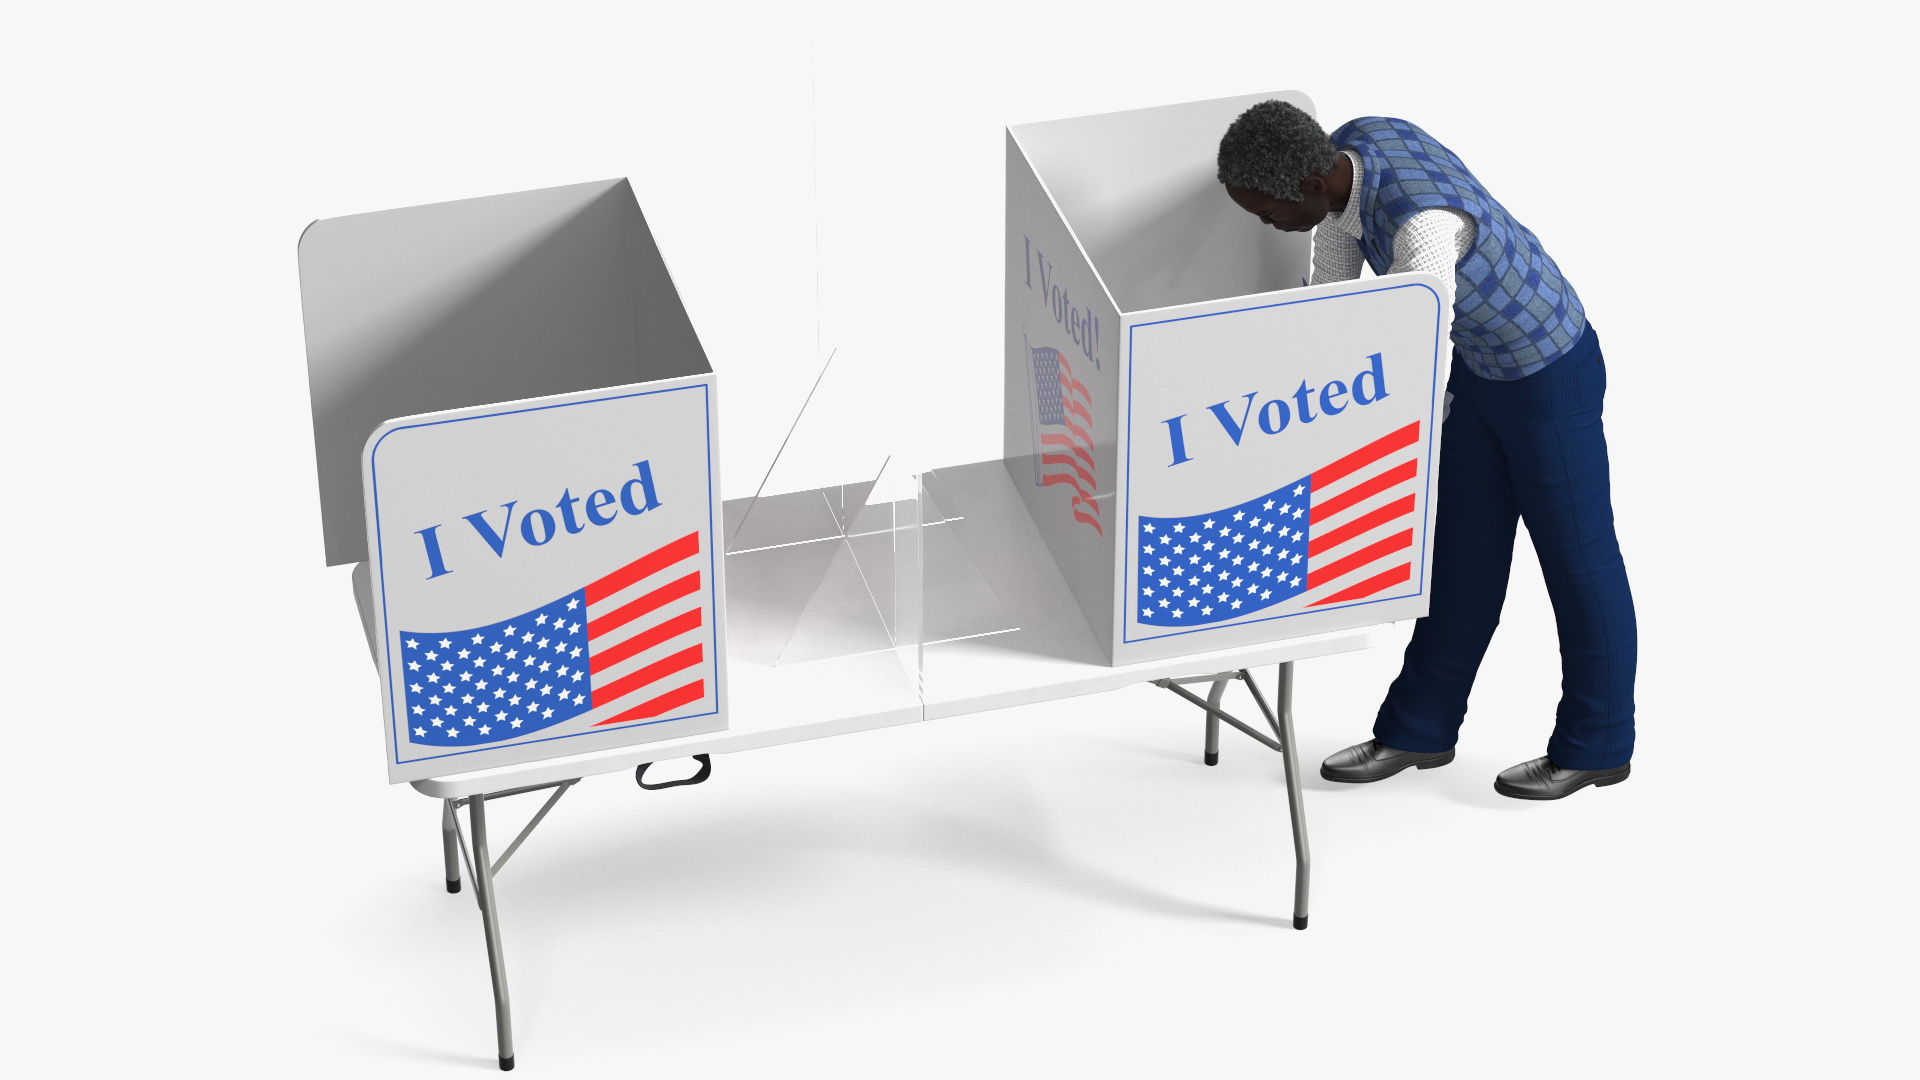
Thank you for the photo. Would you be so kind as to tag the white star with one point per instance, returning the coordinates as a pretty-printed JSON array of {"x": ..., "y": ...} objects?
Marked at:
[
  {"x": 446, "y": 644},
  {"x": 1145, "y": 611},
  {"x": 1163, "y": 601},
  {"x": 412, "y": 644},
  {"x": 1268, "y": 505},
  {"x": 1254, "y": 586},
  {"x": 1208, "y": 568},
  {"x": 532, "y": 705},
  {"x": 1193, "y": 601},
  {"x": 1267, "y": 550},
  {"x": 1298, "y": 490},
  {"x": 436, "y": 721},
  {"x": 508, "y": 631},
  {"x": 1206, "y": 589},
  {"x": 1239, "y": 538},
  {"x": 1226, "y": 530},
  {"x": 546, "y": 691},
  {"x": 528, "y": 660},
  {"x": 1164, "y": 560},
  {"x": 413, "y": 665},
  {"x": 1238, "y": 559},
  {"x": 497, "y": 669},
  {"x": 1177, "y": 613},
  {"x": 467, "y": 720},
  {"x": 1238, "y": 514},
  {"x": 1296, "y": 561},
  {"x": 1179, "y": 592},
  {"x": 546, "y": 714},
  {"x": 433, "y": 677},
  {"x": 1146, "y": 590},
  {"x": 434, "y": 700},
  {"x": 415, "y": 687},
  {"x": 419, "y": 731},
  {"x": 446, "y": 665},
  {"x": 480, "y": 684},
  {"x": 1163, "y": 583},
  {"x": 431, "y": 655},
  {"x": 575, "y": 652},
  {"x": 1285, "y": 508},
  {"x": 1208, "y": 546},
  {"x": 1236, "y": 605},
  {"x": 418, "y": 711},
  {"x": 479, "y": 661},
  {"x": 501, "y": 692},
  {"x": 528, "y": 636},
  {"x": 1236, "y": 583},
  {"x": 1179, "y": 549},
  {"x": 1207, "y": 524},
  {"x": 516, "y": 723},
  {"x": 541, "y": 621},
  {"x": 1193, "y": 558},
  {"x": 1296, "y": 581},
  {"x": 544, "y": 665},
  {"x": 514, "y": 700},
  {"x": 1265, "y": 593},
  {"x": 1148, "y": 527},
  {"x": 573, "y": 603},
  {"x": 1179, "y": 526},
  {"x": 562, "y": 671},
  {"x": 466, "y": 676},
  {"x": 1296, "y": 514},
  {"x": 476, "y": 639},
  {"x": 1268, "y": 527},
  {"x": 466, "y": 699},
  {"x": 512, "y": 653},
  {"x": 543, "y": 643},
  {"x": 453, "y": 733},
  {"x": 1146, "y": 549},
  {"x": 484, "y": 730},
  {"x": 451, "y": 711},
  {"x": 577, "y": 699},
  {"x": 484, "y": 706},
  {"x": 513, "y": 676},
  {"x": 496, "y": 647},
  {"x": 1206, "y": 611}
]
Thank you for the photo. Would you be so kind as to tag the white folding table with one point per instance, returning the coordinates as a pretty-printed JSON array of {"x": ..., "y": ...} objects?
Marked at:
[{"x": 1051, "y": 653}]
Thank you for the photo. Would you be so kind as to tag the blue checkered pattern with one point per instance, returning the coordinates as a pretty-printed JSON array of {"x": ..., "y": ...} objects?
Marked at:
[{"x": 1513, "y": 312}]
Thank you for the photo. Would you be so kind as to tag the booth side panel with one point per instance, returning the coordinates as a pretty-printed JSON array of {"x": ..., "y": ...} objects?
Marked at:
[
  {"x": 1062, "y": 396},
  {"x": 1280, "y": 452}
]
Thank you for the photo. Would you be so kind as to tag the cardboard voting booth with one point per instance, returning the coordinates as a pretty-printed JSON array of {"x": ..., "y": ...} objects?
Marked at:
[
  {"x": 1214, "y": 454},
  {"x": 514, "y": 429}
]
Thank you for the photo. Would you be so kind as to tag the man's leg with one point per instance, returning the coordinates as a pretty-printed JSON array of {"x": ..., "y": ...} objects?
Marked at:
[
  {"x": 1558, "y": 460},
  {"x": 1472, "y": 553}
]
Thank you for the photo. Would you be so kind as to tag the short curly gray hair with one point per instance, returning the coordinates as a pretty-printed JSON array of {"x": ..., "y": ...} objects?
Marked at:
[{"x": 1272, "y": 147}]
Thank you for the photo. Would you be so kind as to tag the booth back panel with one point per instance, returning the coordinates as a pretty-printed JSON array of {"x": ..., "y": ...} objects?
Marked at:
[
  {"x": 477, "y": 301},
  {"x": 1137, "y": 189}
]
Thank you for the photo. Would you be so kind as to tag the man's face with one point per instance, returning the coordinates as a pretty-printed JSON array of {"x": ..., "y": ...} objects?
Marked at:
[{"x": 1282, "y": 214}]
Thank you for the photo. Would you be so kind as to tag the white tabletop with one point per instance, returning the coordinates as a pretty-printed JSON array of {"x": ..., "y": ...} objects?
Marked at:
[{"x": 1044, "y": 651}]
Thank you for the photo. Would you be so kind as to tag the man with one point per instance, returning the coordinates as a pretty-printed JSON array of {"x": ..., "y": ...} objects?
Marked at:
[{"x": 1523, "y": 434}]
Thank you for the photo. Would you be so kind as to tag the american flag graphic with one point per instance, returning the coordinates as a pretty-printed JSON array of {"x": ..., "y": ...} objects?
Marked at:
[
  {"x": 625, "y": 644},
  {"x": 1312, "y": 542},
  {"x": 1066, "y": 455}
]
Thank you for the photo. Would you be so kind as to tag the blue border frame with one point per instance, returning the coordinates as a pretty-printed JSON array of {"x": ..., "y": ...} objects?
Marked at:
[
  {"x": 1126, "y": 569},
  {"x": 373, "y": 471}
]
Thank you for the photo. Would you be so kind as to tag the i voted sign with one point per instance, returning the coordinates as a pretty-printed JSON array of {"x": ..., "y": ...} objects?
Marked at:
[
  {"x": 545, "y": 579},
  {"x": 1280, "y": 462}
]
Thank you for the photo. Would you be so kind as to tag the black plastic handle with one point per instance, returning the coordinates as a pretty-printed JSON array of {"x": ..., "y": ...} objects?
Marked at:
[{"x": 706, "y": 770}]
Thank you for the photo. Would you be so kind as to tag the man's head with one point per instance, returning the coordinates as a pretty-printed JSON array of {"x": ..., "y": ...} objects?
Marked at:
[{"x": 1276, "y": 162}]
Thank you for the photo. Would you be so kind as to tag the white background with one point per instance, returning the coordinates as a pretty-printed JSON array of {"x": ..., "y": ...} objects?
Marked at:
[{"x": 1059, "y": 890}]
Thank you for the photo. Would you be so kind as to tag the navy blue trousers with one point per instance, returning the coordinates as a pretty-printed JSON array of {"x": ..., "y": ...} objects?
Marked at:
[{"x": 1529, "y": 449}]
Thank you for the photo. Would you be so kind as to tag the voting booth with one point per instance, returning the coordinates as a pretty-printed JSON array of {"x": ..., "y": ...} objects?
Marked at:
[
  {"x": 1214, "y": 454},
  {"x": 514, "y": 430},
  {"x": 1208, "y": 468}
]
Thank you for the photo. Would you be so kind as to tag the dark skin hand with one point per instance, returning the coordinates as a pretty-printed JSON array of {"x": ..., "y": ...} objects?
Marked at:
[{"x": 1321, "y": 195}]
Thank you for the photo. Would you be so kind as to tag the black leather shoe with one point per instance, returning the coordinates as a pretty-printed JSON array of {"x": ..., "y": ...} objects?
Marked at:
[
  {"x": 1370, "y": 761},
  {"x": 1542, "y": 779}
]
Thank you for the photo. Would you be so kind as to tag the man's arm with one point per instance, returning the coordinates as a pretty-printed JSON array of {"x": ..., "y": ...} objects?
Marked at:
[
  {"x": 1336, "y": 256},
  {"x": 1434, "y": 241}
]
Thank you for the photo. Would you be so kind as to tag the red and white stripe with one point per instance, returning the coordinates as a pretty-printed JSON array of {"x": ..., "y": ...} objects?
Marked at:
[
  {"x": 643, "y": 634},
  {"x": 1068, "y": 459},
  {"x": 1362, "y": 516}
]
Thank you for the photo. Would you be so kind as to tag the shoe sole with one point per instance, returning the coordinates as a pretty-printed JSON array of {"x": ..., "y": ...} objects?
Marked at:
[
  {"x": 1598, "y": 781},
  {"x": 1430, "y": 763}
]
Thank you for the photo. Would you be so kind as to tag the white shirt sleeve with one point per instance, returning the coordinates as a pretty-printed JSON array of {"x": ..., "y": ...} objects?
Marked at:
[
  {"x": 1336, "y": 256},
  {"x": 1434, "y": 241}
]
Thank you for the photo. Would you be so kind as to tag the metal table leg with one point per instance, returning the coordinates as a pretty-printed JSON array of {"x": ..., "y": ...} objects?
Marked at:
[
  {"x": 1212, "y": 756},
  {"x": 449, "y": 846},
  {"x": 1290, "y": 761},
  {"x": 490, "y": 920}
]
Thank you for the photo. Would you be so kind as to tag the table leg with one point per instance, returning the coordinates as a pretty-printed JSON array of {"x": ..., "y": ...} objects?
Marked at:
[
  {"x": 450, "y": 845},
  {"x": 1290, "y": 762},
  {"x": 1212, "y": 756},
  {"x": 490, "y": 919}
]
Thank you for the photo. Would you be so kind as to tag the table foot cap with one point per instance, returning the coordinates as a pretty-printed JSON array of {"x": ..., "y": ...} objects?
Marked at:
[
  {"x": 453, "y": 886},
  {"x": 1299, "y": 922},
  {"x": 506, "y": 1063},
  {"x": 1213, "y": 758}
]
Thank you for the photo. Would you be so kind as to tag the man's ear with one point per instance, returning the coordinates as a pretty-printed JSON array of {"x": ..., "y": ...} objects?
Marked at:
[{"x": 1312, "y": 186}]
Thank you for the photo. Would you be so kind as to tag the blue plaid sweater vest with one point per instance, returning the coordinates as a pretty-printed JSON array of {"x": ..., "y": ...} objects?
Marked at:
[{"x": 1513, "y": 312}]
